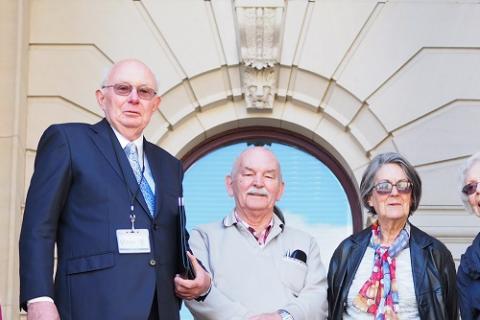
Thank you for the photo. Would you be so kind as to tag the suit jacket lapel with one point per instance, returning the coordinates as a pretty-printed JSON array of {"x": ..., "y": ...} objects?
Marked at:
[
  {"x": 101, "y": 138},
  {"x": 359, "y": 246},
  {"x": 109, "y": 146}
]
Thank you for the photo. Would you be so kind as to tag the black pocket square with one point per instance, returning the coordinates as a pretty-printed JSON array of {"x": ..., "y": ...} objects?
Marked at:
[{"x": 299, "y": 255}]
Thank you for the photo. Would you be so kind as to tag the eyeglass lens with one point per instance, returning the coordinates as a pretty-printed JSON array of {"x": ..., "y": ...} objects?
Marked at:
[
  {"x": 470, "y": 188},
  {"x": 124, "y": 89},
  {"x": 386, "y": 187}
]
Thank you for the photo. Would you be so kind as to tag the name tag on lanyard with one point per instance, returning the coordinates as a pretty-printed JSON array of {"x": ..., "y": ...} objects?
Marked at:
[{"x": 133, "y": 241}]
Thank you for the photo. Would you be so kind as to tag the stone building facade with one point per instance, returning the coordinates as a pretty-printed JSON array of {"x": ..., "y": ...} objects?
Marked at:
[{"x": 355, "y": 77}]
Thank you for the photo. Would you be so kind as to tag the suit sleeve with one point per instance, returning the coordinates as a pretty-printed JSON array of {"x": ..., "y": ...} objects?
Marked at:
[
  {"x": 216, "y": 305},
  {"x": 46, "y": 198},
  {"x": 311, "y": 303}
]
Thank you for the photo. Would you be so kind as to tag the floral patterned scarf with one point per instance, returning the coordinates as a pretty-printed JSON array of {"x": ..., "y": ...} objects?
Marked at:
[{"x": 379, "y": 294}]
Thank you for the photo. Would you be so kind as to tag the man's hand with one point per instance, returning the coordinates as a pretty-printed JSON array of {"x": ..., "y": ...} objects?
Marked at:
[
  {"x": 266, "y": 316},
  {"x": 42, "y": 310},
  {"x": 192, "y": 289}
]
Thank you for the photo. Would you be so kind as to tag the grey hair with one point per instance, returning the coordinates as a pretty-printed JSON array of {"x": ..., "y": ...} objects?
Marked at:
[
  {"x": 106, "y": 73},
  {"x": 368, "y": 178},
  {"x": 464, "y": 169},
  {"x": 236, "y": 164}
]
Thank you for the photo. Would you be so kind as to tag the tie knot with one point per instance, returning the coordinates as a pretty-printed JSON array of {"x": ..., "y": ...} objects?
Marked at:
[{"x": 131, "y": 149}]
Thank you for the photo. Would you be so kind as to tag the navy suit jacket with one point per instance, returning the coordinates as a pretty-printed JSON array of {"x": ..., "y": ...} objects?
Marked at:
[
  {"x": 468, "y": 282},
  {"x": 79, "y": 196}
]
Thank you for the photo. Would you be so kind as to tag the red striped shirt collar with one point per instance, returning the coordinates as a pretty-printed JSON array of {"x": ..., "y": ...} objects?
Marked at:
[{"x": 260, "y": 236}]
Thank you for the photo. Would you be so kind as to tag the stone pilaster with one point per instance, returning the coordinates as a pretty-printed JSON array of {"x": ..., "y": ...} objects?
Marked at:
[{"x": 13, "y": 83}]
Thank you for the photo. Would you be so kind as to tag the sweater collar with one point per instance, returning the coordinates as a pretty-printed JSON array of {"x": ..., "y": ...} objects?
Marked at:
[{"x": 278, "y": 218}]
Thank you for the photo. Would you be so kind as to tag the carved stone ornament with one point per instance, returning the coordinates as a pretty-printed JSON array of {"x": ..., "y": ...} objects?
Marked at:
[
  {"x": 259, "y": 88},
  {"x": 259, "y": 28}
]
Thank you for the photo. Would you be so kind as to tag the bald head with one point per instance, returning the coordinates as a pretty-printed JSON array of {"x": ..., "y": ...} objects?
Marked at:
[
  {"x": 129, "y": 62},
  {"x": 256, "y": 152}
]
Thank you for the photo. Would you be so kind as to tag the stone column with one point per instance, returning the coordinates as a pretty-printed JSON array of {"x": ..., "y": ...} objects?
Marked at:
[{"x": 13, "y": 109}]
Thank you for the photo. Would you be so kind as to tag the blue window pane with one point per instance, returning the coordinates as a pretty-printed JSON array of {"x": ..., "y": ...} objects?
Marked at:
[{"x": 314, "y": 200}]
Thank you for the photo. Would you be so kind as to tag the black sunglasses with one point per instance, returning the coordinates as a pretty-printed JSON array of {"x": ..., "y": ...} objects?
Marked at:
[{"x": 470, "y": 188}]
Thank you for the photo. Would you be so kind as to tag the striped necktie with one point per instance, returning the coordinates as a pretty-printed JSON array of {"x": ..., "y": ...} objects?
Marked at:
[{"x": 132, "y": 155}]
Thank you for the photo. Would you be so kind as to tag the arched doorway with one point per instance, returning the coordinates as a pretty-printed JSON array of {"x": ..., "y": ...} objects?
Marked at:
[
  {"x": 319, "y": 197},
  {"x": 285, "y": 144}
]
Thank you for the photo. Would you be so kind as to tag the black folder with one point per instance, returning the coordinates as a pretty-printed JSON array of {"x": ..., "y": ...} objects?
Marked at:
[{"x": 186, "y": 268}]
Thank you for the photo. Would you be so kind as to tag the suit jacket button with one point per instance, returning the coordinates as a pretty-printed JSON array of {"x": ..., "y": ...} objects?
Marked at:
[
  {"x": 152, "y": 263},
  {"x": 155, "y": 226}
]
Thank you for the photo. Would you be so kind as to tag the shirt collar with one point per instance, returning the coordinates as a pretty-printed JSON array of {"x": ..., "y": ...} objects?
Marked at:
[
  {"x": 277, "y": 219},
  {"x": 246, "y": 225},
  {"x": 124, "y": 141},
  {"x": 260, "y": 237}
]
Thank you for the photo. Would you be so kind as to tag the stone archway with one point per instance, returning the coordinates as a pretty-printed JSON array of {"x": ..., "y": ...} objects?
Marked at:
[{"x": 257, "y": 134}]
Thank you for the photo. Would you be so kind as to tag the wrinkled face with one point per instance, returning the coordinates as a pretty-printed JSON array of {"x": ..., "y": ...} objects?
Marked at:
[
  {"x": 395, "y": 205},
  {"x": 128, "y": 114},
  {"x": 256, "y": 183},
  {"x": 474, "y": 198}
]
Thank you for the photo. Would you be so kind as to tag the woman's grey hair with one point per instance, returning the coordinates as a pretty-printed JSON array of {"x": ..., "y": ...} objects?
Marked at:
[
  {"x": 464, "y": 169},
  {"x": 368, "y": 178}
]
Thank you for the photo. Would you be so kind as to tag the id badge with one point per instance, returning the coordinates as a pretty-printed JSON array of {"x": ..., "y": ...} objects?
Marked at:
[{"x": 133, "y": 241}]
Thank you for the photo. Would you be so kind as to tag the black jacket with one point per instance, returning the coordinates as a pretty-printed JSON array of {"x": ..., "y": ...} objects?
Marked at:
[
  {"x": 468, "y": 282},
  {"x": 432, "y": 267}
]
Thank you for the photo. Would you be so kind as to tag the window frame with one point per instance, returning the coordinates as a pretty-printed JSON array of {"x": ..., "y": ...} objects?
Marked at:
[{"x": 260, "y": 135}]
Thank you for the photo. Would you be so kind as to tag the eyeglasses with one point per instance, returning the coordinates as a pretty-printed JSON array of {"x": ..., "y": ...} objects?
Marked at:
[
  {"x": 470, "y": 188},
  {"x": 386, "y": 187},
  {"x": 124, "y": 89}
]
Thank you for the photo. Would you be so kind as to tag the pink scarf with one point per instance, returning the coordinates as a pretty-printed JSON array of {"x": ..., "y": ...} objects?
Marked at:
[{"x": 379, "y": 294}]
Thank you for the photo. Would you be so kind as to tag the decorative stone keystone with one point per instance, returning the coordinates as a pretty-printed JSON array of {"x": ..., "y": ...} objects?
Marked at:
[{"x": 259, "y": 34}]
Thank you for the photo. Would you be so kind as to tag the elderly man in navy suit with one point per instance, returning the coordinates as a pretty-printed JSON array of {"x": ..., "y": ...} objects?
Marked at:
[{"x": 108, "y": 199}]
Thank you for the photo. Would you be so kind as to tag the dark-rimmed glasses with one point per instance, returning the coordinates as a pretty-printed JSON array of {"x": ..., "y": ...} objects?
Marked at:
[
  {"x": 386, "y": 187},
  {"x": 470, "y": 188},
  {"x": 124, "y": 89}
]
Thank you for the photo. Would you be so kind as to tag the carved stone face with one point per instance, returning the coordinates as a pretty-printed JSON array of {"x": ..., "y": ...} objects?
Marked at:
[
  {"x": 260, "y": 96},
  {"x": 259, "y": 88}
]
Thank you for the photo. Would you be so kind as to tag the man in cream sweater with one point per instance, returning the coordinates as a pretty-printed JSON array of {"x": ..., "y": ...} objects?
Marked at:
[{"x": 261, "y": 268}]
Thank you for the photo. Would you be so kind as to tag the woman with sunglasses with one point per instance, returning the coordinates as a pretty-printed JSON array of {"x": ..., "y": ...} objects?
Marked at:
[
  {"x": 468, "y": 276},
  {"x": 391, "y": 270}
]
